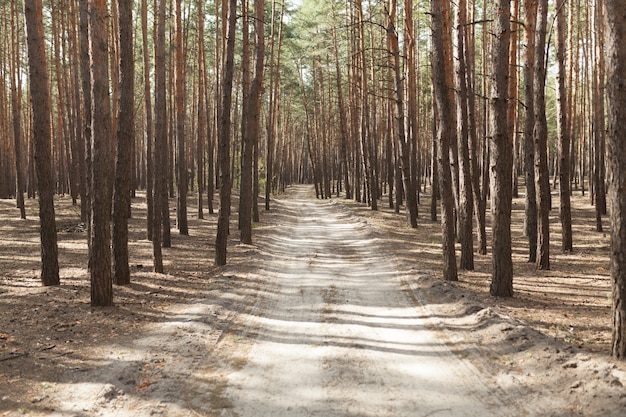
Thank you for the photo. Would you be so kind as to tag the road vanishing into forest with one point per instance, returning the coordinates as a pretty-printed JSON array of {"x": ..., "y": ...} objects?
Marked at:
[
  {"x": 335, "y": 333},
  {"x": 316, "y": 320}
]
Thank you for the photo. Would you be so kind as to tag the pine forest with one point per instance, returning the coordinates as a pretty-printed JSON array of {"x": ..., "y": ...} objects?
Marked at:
[{"x": 285, "y": 187}]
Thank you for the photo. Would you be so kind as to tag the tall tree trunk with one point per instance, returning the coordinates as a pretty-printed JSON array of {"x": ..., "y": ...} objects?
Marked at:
[
  {"x": 599, "y": 174},
  {"x": 125, "y": 139},
  {"x": 223, "y": 137},
  {"x": 40, "y": 102},
  {"x": 181, "y": 212},
  {"x": 86, "y": 88},
  {"x": 401, "y": 140},
  {"x": 501, "y": 155},
  {"x": 201, "y": 132},
  {"x": 615, "y": 20},
  {"x": 148, "y": 127},
  {"x": 465, "y": 182},
  {"x": 440, "y": 65},
  {"x": 16, "y": 106},
  {"x": 540, "y": 134},
  {"x": 530, "y": 218},
  {"x": 343, "y": 121},
  {"x": 254, "y": 115},
  {"x": 160, "y": 139},
  {"x": 101, "y": 282},
  {"x": 562, "y": 129}
]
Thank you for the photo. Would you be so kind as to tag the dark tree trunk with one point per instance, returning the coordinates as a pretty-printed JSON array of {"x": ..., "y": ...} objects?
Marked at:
[
  {"x": 540, "y": 134},
  {"x": 160, "y": 141},
  {"x": 440, "y": 65},
  {"x": 86, "y": 88},
  {"x": 125, "y": 139},
  {"x": 201, "y": 109},
  {"x": 179, "y": 75},
  {"x": 16, "y": 106},
  {"x": 401, "y": 140},
  {"x": 466, "y": 201},
  {"x": 530, "y": 218},
  {"x": 562, "y": 131},
  {"x": 148, "y": 128},
  {"x": 501, "y": 156},
  {"x": 615, "y": 20},
  {"x": 223, "y": 137},
  {"x": 101, "y": 280},
  {"x": 40, "y": 102}
]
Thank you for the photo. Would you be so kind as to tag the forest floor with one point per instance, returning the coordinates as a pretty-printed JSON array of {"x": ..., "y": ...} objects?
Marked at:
[{"x": 335, "y": 310}]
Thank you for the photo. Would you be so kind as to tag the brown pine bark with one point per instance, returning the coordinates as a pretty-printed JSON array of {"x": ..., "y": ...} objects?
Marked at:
[
  {"x": 252, "y": 118},
  {"x": 160, "y": 141},
  {"x": 181, "y": 212},
  {"x": 101, "y": 280},
  {"x": 615, "y": 21},
  {"x": 540, "y": 134},
  {"x": 562, "y": 129},
  {"x": 223, "y": 137},
  {"x": 343, "y": 120},
  {"x": 501, "y": 156},
  {"x": 148, "y": 127},
  {"x": 125, "y": 138},
  {"x": 445, "y": 126},
  {"x": 465, "y": 176},
  {"x": 16, "y": 107},
  {"x": 530, "y": 218},
  {"x": 40, "y": 102},
  {"x": 599, "y": 145},
  {"x": 201, "y": 109},
  {"x": 399, "y": 129},
  {"x": 86, "y": 89}
]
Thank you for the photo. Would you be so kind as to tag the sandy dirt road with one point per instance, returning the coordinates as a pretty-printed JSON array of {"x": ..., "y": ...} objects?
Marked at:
[{"x": 336, "y": 333}]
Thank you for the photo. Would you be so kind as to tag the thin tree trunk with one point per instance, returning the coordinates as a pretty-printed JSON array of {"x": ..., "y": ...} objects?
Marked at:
[
  {"x": 16, "y": 106},
  {"x": 148, "y": 127},
  {"x": 179, "y": 75},
  {"x": 562, "y": 129},
  {"x": 401, "y": 140},
  {"x": 615, "y": 21},
  {"x": 125, "y": 139},
  {"x": 40, "y": 102},
  {"x": 101, "y": 280},
  {"x": 530, "y": 218},
  {"x": 501, "y": 156},
  {"x": 160, "y": 139},
  {"x": 465, "y": 183},
  {"x": 445, "y": 126},
  {"x": 201, "y": 108},
  {"x": 221, "y": 241},
  {"x": 540, "y": 133}
]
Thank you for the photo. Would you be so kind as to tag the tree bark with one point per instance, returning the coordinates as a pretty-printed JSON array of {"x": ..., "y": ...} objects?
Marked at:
[
  {"x": 125, "y": 139},
  {"x": 562, "y": 130},
  {"x": 181, "y": 212},
  {"x": 401, "y": 140},
  {"x": 101, "y": 280},
  {"x": 465, "y": 177},
  {"x": 540, "y": 134},
  {"x": 16, "y": 106},
  {"x": 445, "y": 126},
  {"x": 615, "y": 23},
  {"x": 501, "y": 156},
  {"x": 160, "y": 140},
  {"x": 530, "y": 218},
  {"x": 223, "y": 138},
  {"x": 40, "y": 102},
  {"x": 201, "y": 108}
]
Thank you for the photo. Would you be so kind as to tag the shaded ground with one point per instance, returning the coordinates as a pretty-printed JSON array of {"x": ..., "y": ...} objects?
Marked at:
[{"x": 171, "y": 341}]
